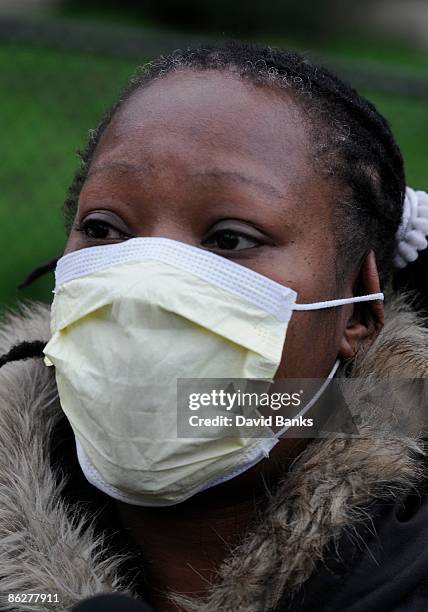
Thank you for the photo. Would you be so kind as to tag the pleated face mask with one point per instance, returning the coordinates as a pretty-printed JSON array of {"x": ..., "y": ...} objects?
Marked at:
[{"x": 130, "y": 319}]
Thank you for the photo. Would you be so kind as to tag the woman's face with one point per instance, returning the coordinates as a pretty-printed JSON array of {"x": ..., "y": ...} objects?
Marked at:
[{"x": 214, "y": 161}]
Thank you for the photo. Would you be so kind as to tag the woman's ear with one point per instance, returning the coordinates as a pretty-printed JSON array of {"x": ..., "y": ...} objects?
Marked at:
[{"x": 367, "y": 319}]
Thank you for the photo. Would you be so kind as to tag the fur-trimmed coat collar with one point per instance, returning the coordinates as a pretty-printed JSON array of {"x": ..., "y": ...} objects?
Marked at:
[{"x": 50, "y": 546}]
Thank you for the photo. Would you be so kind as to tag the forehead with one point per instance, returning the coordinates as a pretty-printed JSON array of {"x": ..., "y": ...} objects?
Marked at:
[{"x": 207, "y": 119}]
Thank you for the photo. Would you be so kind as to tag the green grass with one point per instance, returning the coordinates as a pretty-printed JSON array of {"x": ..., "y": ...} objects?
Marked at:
[
  {"x": 51, "y": 98},
  {"x": 409, "y": 120}
]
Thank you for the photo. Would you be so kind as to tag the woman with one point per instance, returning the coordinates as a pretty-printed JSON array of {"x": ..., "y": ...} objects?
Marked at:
[{"x": 221, "y": 178}]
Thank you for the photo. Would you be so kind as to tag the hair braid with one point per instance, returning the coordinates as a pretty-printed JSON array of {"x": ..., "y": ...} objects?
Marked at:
[{"x": 24, "y": 350}]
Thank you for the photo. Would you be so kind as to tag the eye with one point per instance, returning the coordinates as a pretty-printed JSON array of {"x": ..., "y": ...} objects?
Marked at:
[
  {"x": 100, "y": 229},
  {"x": 231, "y": 240}
]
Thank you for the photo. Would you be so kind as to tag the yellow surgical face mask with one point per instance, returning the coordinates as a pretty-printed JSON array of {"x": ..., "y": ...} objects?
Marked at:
[{"x": 130, "y": 319}]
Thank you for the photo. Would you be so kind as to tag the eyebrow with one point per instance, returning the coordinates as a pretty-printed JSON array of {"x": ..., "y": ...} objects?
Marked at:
[
  {"x": 115, "y": 165},
  {"x": 260, "y": 185}
]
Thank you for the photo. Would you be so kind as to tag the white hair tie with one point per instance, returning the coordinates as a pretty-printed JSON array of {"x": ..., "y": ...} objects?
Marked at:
[{"x": 413, "y": 231}]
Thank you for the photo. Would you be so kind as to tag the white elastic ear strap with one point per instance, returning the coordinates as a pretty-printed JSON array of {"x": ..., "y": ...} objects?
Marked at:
[
  {"x": 340, "y": 302},
  {"x": 313, "y": 400}
]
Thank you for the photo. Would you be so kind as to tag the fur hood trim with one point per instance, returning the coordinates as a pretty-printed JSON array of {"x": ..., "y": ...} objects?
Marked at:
[
  {"x": 42, "y": 549},
  {"x": 328, "y": 489}
]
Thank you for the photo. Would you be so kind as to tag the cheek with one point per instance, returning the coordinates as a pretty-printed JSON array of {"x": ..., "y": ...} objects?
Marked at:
[{"x": 311, "y": 345}]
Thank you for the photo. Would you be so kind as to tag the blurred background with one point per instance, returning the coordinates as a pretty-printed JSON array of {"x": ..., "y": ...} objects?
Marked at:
[{"x": 63, "y": 62}]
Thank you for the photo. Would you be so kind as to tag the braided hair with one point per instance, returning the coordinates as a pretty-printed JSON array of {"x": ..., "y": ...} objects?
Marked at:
[
  {"x": 24, "y": 350},
  {"x": 352, "y": 144}
]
